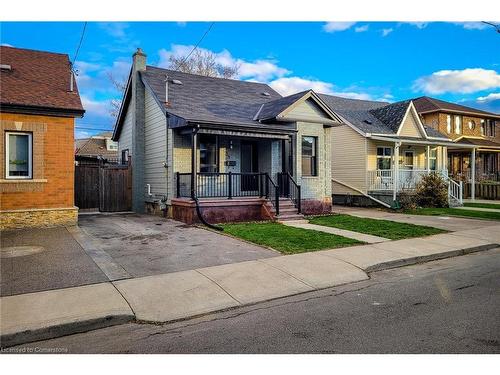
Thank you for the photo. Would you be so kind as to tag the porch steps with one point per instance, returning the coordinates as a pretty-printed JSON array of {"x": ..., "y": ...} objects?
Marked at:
[{"x": 288, "y": 211}]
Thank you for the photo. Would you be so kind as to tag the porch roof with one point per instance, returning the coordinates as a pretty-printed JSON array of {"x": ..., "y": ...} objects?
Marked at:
[
  {"x": 421, "y": 141},
  {"x": 480, "y": 143}
]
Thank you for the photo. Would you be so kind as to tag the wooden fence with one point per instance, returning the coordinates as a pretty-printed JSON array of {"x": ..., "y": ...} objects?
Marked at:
[
  {"x": 483, "y": 190},
  {"x": 103, "y": 187}
]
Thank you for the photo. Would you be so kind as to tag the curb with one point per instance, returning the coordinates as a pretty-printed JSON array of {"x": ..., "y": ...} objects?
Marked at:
[
  {"x": 55, "y": 331},
  {"x": 428, "y": 258}
]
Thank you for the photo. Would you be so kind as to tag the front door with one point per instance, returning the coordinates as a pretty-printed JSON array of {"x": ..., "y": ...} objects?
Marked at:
[
  {"x": 409, "y": 159},
  {"x": 249, "y": 164}
]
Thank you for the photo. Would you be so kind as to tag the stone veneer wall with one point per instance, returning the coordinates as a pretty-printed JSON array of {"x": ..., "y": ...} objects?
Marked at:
[{"x": 38, "y": 218}]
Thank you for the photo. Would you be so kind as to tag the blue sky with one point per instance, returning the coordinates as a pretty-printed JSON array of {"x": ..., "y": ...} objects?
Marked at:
[{"x": 368, "y": 60}]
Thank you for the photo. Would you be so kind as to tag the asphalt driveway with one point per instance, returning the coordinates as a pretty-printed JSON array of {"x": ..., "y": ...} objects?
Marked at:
[
  {"x": 33, "y": 260},
  {"x": 144, "y": 245}
]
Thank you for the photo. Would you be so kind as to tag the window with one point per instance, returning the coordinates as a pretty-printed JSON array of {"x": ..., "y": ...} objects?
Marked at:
[
  {"x": 309, "y": 162},
  {"x": 433, "y": 159},
  {"x": 18, "y": 160},
  {"x": 209, "y": 158},
  {"x": 124, "y": 156},
  {"x": 490, "y": 128},
  {"x": 448, "y": 124},
  {"x": 472, "y": 125},
  {"x": 110, "y": 145},
  {"x": 482, "y": 127},
  {"x": 384, "y": 157},
  {"x": 458, "y": 124}
]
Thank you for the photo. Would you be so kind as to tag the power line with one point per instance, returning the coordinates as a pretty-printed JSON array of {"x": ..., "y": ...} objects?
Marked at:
[
  {"x": 496, "y": 26},
  {"x": 195, "y": 46},
  {"x": 79, "y": 43}
]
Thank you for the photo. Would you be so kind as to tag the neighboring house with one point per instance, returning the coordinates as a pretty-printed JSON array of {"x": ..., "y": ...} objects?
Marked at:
[
  {"x": 97, "y": 147},
  {"x": 468, "y": 126},
  {"x": 383, "y": 149},
  {"x": 39, "y": 101},
  {"x": 247, "y": 145}
]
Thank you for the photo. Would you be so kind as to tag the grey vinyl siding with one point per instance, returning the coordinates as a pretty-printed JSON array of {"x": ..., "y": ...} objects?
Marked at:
[
  {"x": 125, "y": 139},
  {"x": 155, "y": 154}
]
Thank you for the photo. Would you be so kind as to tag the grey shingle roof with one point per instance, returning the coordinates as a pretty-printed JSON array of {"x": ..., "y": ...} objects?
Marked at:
[
  {"x": 273, "y": 108},
  {"x": 372, "y": 116},
  {"x": 427, "y": 104},
  {"x": 209, "y": 99},
  {"x": 392, "y": 115}
]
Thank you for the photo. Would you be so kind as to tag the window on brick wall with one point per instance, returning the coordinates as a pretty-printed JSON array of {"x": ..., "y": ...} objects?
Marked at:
[
  {"x": 18, "y": 155},
  {"x": 448, "y": 124},
  {"x": 458, "y": 124},
  {"x": 490, "y": 128},
  {"x": 482, "y": 127},
  {"x": 309, "y": 162}
]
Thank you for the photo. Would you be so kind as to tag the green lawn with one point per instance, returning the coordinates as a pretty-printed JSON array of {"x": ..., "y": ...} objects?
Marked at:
[
  {"x": 382, "y": 228},
  {"x": 455, "y": 212},
  {"x": 483, "y": 205},
  {"x": 287, "y": 240}
]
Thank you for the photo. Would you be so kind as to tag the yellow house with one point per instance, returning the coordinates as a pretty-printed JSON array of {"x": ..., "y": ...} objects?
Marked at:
[{"x": 382, "y": 149}]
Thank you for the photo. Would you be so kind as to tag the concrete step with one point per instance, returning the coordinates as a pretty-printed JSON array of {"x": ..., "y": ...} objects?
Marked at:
[{"x": 288, "y": 217}]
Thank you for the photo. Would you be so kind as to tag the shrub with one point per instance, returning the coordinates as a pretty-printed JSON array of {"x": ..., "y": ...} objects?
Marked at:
[
  {"x": 432, "y": 191},
  {"x": 407, "y": 200}
]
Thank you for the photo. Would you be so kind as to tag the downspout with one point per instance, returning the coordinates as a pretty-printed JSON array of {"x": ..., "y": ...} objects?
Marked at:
[{"x": 194, "y": 156}]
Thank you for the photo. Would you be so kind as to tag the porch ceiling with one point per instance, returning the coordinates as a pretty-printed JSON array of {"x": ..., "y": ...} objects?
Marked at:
[
  {"x": 422, "y": 141},
  {"x": 235, "y": 133}
]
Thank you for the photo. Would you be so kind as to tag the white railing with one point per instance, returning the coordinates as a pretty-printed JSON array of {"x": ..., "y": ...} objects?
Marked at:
[
  {"x": 455, "y": 191},
  {"x": 407, "y": 178}
]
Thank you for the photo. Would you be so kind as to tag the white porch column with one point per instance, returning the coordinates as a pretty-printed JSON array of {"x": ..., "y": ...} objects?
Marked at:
[
  {"x": 395, "y": 171},
  {"x": 427, "y": 160},
  {"x": 473, "y": 174}
]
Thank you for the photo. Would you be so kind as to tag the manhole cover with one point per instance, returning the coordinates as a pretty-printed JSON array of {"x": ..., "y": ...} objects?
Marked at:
[{"x": 20, "y": 251}]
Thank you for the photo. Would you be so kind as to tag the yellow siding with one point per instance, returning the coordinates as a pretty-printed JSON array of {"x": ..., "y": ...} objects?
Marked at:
[
  {"x": 410, "y": 127},
  {"x": 348, "y": 160},
  {"x": 309, "y": 109}
]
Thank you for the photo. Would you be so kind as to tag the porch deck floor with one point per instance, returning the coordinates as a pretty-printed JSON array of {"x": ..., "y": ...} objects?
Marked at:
[{"x": 368, "y": 238}]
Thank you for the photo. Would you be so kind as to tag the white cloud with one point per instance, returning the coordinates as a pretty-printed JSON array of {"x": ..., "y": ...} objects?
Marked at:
[
  {"x": 79, "y": 134},
  {"x": 361, "y": 29},
  {"x": 95, "y": 107},
  {"x": 181, "y": 24},
  {"x": 459, "y": 81},
  {"x": 419, "y": 25},
  {"x": 472, "y": 25},
  {"x": 386, "y": 32},
  {"x": 6, "y": 45},
  {"x": 331, "y": 27},
  {"x": 489, "y": 97},
  {"x": 291, "y": 85},
  {"x": 115, "y": 29},
  {"x": 257, "y": 70}
]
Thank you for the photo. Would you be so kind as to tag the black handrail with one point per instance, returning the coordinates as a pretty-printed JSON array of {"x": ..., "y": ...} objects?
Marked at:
[
  {"x": 272, "y": 192},
  {"x": 290, "y": 189}
]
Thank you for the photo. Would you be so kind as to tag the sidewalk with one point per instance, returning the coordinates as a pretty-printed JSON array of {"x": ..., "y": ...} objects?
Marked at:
[{"x": 182, "y": 295}]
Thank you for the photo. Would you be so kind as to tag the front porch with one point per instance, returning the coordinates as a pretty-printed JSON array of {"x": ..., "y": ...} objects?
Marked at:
[{"x": 397, "y": 165}]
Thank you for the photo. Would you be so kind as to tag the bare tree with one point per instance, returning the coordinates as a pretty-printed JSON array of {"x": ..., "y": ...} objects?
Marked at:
[
  {"x": 120, "y": 85},
  {"x": 203, "y": 63}
]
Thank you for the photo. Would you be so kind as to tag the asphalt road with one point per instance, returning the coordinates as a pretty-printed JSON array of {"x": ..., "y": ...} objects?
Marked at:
[{"x": 448, "y": 306}]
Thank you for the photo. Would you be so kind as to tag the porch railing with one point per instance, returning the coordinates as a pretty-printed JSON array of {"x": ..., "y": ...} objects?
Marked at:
[
  {"x": 382, "y": 179},
  {"x": 222, "y": 185},
  {"x": 479, "y": 177}
]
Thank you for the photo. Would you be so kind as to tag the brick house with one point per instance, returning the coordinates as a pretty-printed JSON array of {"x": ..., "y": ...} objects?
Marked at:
[
  {"x": 96, "y": 147},
  {"x": 238, "y": 149},
  {"x": 39, "y": 102},
  {"x": 465, "y": 125}
]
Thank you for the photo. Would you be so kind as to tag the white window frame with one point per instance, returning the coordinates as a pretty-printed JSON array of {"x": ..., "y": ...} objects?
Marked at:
[
  {"x": 457, "y": 121},
  {"x": 384, "y": 156},
  {"x": 448, "y": 124},
  {"x": 30, "y": 156},
  {"x": 433, "y": 157}
]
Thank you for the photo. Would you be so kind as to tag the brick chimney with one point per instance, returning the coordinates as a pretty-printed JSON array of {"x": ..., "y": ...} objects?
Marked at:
[{"x": 139, "y": 60}]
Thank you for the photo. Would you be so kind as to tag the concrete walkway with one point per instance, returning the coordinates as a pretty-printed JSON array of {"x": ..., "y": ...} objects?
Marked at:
[
  {"x": 448, "y": 223},
  {"x": 479, "y": 209},
  {"x": 368, "y": 238},
  {"x": 185, "y": 294}
]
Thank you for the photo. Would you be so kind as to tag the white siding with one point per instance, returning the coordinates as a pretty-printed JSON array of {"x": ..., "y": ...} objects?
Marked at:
[
  {"x": 125, "y": 139},
  {"x": 155, "y": 153},
  {"x": 348, "y": 160}
]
